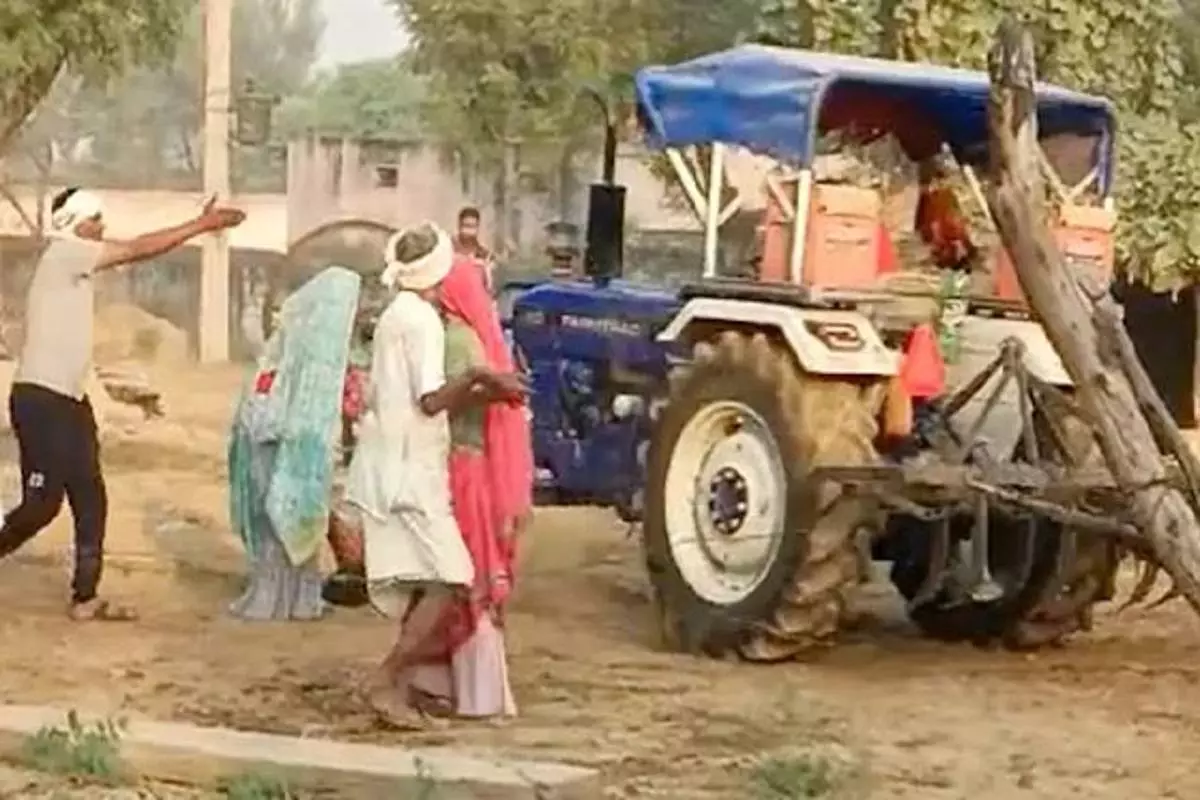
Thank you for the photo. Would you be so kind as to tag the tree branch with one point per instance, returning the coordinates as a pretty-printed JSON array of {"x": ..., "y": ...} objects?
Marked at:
[
  {"x": 7, "y": 195},
  {"x": 29, "y": 89}
]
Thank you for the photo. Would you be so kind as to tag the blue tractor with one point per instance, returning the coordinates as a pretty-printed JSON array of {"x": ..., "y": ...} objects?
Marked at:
[{"x": 758, "y": 428}]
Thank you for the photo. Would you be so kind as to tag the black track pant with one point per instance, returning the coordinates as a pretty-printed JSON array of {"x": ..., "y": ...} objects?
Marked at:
[{"x": 60, "y": 457}]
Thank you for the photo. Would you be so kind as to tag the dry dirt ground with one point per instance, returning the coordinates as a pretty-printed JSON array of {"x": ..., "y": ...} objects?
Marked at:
[
  {"x": 22, "y": 784},
  {"x": 1115, "y": 715}
]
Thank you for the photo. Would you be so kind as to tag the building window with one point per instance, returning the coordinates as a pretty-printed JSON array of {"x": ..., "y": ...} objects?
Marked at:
[{"x": 387, "y": 176}]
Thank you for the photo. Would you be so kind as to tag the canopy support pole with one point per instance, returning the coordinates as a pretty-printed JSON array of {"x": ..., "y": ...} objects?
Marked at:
[
  {"x": 688, "y": 181},
  {"x": 804, "y": 186},
  {"x": 712, "y": 216}
]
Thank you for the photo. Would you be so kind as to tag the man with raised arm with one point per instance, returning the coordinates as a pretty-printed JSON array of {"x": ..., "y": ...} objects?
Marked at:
[{"x": 48, "y": 405}]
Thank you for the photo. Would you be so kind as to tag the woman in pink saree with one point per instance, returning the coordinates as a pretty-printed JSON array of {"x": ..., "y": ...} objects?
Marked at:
[{"x": 491, "y": 485}]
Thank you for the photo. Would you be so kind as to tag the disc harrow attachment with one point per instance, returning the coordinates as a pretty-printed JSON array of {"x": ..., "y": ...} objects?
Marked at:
[{"x": 1056, "y": 475}]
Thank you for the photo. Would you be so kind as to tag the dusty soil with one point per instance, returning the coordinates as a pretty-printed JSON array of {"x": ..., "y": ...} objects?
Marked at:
[
  {"x": 26, "y": 785},
  {"x": 1115, "y": 715}
]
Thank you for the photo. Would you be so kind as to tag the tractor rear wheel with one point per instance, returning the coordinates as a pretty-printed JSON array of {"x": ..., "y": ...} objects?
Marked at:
[{"x": 746, "y": 550}]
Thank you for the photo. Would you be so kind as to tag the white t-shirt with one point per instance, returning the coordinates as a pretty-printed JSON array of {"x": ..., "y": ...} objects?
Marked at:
[{"x": 59, "y": 317}]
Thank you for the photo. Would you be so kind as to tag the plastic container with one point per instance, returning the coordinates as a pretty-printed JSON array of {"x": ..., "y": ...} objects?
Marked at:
[
  {"x": 1084, "y": 235},
  {"x": 842, "y": 248}
]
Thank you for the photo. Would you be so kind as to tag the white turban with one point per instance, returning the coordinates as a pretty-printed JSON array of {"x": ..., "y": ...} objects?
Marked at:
[
  {"x": 425, "y": 272},
  {"x": 80, "y": 205}
]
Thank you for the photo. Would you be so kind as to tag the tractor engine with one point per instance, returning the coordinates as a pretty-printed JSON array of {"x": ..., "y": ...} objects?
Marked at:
[{"x": 596, "y": 374}]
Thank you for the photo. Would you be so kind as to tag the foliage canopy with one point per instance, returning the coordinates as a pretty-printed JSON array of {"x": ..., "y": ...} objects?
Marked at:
[
  {"x": 144, "y": 125},
  {"x": 1139, "y": 53},
  {"x": 511, "y": 68},
  {"x": 368, "y": 99},
  {"x": 94, "y": 38}
]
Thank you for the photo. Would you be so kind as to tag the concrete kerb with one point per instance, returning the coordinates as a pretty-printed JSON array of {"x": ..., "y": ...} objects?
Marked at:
[{"x": 206, "y": 757}]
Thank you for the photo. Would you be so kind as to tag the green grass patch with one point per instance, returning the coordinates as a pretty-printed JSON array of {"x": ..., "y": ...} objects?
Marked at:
[{"x": 82, "y": 751}]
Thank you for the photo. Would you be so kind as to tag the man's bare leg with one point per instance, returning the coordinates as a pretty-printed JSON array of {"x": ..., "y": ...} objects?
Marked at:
[
  {"x": 346, "y": 542},
  {"x": 389, "y": 690}
]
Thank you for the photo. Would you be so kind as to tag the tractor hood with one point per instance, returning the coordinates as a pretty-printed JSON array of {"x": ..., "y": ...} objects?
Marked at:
[
  {"x": 581, "y": 319},
  {"x": 618, "y": 308}
]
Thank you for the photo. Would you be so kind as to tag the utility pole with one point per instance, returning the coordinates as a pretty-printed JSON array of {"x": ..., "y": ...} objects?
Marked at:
[{"x": 214, "y": 275}]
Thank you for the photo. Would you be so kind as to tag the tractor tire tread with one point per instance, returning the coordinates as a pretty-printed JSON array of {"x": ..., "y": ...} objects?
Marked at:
[{"x": 823, "y": 421}]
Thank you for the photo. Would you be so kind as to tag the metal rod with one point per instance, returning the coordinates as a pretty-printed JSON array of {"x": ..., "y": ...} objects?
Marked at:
[
  {"x": 785, "y": 202},
  {"x": 804, "y": 192},
  {"x": 1028, "y": 549},
  {"x": 989, "y": 406},
  {"x": 960, "y": 398},
  {"x": 610, "y": 135},
  {"x": 712, "y": 208},
  {"x": 687, "y": 180},
  {"x": 1024, "y": 402},
  {"x": 983, "y": 588},
  {"x": 939, "y": 557},
  {"x": 977, "y": 193},
  {"x": 727, "y": 213},
  {"x": 1082, "y": 186},
  {"x": 1092, "y": 523},
  {"x": 1052, "y": 175}
]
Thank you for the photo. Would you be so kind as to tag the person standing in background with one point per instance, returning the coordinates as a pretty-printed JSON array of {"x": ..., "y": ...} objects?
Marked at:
[
  {"x": 466, "y": 242},
  {"x": 562, "y": 247},
  {"x": 51, "y": 414}
]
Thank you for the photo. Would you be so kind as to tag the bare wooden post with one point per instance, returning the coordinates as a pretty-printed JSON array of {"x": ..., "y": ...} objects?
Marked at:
[
  {"x": 1084, "y": 325},
  {"x": 214, "y": 269}
]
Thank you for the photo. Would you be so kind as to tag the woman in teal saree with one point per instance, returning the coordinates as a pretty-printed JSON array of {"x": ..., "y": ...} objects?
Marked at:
[{"x": 283, "y": 447}]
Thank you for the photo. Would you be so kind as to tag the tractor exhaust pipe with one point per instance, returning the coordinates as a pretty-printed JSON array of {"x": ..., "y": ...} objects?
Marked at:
[{"x": 604, "y": 257}]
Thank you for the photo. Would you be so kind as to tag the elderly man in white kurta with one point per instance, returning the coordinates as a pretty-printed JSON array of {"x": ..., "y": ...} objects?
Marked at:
[{"x": 399, "y": 478}]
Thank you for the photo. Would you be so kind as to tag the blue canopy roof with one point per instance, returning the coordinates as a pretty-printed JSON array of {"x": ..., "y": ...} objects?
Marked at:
[{"x": 771, "y": 100}]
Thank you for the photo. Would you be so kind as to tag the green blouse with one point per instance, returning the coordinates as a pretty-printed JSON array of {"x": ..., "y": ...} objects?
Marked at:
[{"x": 463, "y": 351}]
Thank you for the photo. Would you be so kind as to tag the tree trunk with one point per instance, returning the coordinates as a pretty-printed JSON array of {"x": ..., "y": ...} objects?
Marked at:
[{"x": 1083, "y": 323}]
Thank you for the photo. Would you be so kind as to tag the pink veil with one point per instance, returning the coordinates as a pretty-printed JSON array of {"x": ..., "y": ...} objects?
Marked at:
[{"x": 508, "y": 451}]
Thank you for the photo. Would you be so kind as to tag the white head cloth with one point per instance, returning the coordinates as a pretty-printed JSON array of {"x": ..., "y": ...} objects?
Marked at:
[
  {"x": 80, "y": 205},
  {"x": 424, "y": 273}
]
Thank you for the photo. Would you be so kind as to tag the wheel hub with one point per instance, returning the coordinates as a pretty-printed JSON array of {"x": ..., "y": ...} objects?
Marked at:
[
  {"x": 728, "y": 501},
  {"x": 728, "y": 472}
]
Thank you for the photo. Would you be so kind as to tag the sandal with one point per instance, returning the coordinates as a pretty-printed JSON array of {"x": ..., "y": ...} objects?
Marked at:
[{"x": 102, "y": 611}]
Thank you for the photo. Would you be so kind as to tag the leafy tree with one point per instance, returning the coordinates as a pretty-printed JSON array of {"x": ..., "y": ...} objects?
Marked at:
[
  {"x": 513, "y": 69},
  {"x": 382, "y": 98},
  {"x": 504, "y": 69},
  {"x": 94, "y": 38},
  {"x": 1139, "y": 53},
  {"x": 146, "y": 126}
]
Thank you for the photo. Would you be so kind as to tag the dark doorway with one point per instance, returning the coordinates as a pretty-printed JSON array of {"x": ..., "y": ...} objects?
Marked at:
[{"x": 1163, "y": 330}]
